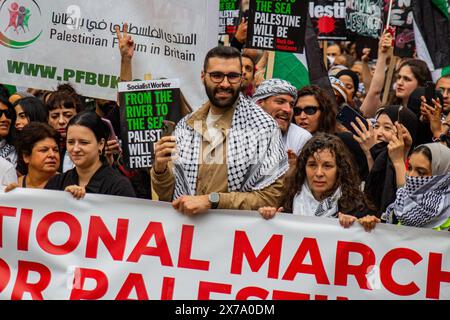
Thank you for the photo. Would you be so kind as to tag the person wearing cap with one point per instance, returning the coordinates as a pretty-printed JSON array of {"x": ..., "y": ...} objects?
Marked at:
[
  {"x": 277, "y": 97},
  {"x": 228, "y": 154}
]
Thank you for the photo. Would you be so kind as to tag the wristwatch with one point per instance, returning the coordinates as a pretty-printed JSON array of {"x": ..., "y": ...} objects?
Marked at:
[{"x": 214, "y": 199}]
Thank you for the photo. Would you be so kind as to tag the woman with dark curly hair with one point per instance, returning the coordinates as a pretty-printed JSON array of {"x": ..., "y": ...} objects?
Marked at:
[
  {"x": 326, "y": 184},
  {"x": 38, "y": 152},
  {"x": 314, "y": 110}
]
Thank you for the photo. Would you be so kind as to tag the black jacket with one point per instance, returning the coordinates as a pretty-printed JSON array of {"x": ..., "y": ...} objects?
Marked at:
[{"x": 105, "y": 181}]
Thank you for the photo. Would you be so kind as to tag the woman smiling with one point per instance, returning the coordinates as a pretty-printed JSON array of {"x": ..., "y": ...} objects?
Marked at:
[{"x": 86, "y": 136}]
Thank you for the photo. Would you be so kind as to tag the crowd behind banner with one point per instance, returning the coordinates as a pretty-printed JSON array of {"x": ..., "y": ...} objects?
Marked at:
[{"x": 369, "y": 146}]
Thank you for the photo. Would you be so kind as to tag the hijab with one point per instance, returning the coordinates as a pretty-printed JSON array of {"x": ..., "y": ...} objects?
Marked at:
[
  {"x": 424, "y": 202},
  {"x": 440, "y": 158}
]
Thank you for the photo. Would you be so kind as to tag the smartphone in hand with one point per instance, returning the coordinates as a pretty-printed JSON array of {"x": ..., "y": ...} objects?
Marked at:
[
  {"x": 347, "y": 115},
  {"x": 430, "y": 93}
]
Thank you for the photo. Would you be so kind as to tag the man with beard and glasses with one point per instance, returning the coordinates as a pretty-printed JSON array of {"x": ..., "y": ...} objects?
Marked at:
[
  {"x": 228, "y": 154},
  {"x": 277, "y": 97}
]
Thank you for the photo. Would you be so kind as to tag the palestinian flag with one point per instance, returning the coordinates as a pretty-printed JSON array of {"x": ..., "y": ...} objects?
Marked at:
[
  {"x": 304, "y": 68},
  {"x": 432, "y": 34}
]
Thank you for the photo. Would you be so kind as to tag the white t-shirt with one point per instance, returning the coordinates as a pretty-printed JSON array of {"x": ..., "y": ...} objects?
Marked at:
[
  {"x": 296, "y": 138},
  {"x": 7, "y": 173}
]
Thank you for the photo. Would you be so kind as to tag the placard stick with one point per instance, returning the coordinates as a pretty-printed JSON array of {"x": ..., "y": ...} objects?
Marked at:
[
  {"x": 325, "y": 58},
  {"x": 388, "y": 82},
  {"x": 388, "y": 21},
  {"x": 226, "y": 40},
  {"x": 270, "y": 65}
]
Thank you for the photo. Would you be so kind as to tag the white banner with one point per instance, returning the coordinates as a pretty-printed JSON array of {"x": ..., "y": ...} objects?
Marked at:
[
  {"x": 104, "y": 247},
  {"x": 43, "y": 43}
]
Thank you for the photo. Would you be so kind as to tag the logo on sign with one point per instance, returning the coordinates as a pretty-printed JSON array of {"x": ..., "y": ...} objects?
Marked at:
[{"x": 20, "y": 23}]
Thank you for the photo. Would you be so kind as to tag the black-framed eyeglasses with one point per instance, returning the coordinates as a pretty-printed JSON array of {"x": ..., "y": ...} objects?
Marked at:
[
  {"x": 8, "y": 113},
  {"x": 308, "y": 110},
  {"x": 217, "y": 77}
]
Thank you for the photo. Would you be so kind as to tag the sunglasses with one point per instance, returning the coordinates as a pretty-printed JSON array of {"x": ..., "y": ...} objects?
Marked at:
[
  {"x": 308, "y": 110},
  {"x": 8, "y": 113}
]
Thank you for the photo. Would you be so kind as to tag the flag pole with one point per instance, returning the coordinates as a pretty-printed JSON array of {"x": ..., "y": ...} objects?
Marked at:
[
  {"x": 393, "y": 62},
  {"x": 388, "y": 22}
]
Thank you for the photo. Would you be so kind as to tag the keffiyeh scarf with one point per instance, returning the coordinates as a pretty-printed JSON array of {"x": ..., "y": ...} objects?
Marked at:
[
  {"x": 424, "y": 202},
  {"x": 306, "y": 205},
  {"x": 255, "y": 152},
  {"x": 6, "y": 149}
]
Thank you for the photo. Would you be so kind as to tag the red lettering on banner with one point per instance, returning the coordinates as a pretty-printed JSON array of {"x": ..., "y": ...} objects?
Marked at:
[
  {"x": 161, "y": 250},
  {"x": 435, "y": 276},
  {"x": 343, "y": 269},
  {"x": 248, "y": 292},
  {"x": 133, "y": 281},
  {"x": 24, "y": 229},
  {"x": 316, "y": 268},
  {"x": 271, "y": 250},
  {"x": 35, "y": 289},
  {"x": 81, "y": 274},
  {"x": 184, "y": 257},
  {"x": 5, "y": 212},
  {"x": 74, "y": 233},
  {"x": 99, "y": 231},
  {"x": 167, "y": 288},
  {"x": 386, "y": 271},
  {"x": 5, "y": 275},
  {"x": 205, "y": 288}
]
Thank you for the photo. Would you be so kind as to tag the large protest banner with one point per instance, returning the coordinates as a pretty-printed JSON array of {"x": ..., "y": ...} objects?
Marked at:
[
  {"x": 229, "y": 16},
  {"x": 328, "y": 18},
  {"x": 43, "y": 43},
  {"x": 365, "y": 17},
  {"x": 104, "y": 247},
  {"x": 277, "y": 25},
  {"x": 401, "y": 19},
  {"x": 146, "y": 108}
]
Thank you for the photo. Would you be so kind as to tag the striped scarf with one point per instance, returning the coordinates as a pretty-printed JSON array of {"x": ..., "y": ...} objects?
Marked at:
[
  {"x": 424, "y": 202},
  {"x": 255, "y": 152},
  {"x": 6, "y": 149}
]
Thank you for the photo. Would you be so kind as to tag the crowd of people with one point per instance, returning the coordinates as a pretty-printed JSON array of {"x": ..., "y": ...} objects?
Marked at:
[{"x": 256, "y": 144}]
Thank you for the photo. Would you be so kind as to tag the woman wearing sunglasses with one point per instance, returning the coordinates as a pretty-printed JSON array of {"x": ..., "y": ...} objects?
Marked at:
[
  {"x": 7, "y": 120},
  {"x": 314, "y": 111}
]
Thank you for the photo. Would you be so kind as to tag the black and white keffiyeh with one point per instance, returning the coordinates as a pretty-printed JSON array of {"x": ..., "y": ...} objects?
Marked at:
[
  {"x": 6, "y": 149},
  {"x": 274, "y": 87},
  {"x": 255, "y": 152},
  {"x": 305, "y": 204},
  {"x": 423, "y": 202}
]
